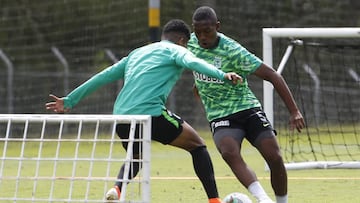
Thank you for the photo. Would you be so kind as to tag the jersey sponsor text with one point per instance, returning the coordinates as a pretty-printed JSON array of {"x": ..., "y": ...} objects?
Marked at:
[{"x": 205, "y": 78}]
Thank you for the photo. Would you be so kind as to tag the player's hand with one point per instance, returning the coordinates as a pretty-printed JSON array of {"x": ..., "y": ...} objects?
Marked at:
[
  {"x": 234, "y": 78},
  {"x": 297, "y": 121},
  {"x": 57, "y": 105}
]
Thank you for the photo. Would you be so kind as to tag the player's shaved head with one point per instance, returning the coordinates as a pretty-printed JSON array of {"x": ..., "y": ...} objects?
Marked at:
[
  {"x": 206, "y": 26},
  {"x": 205, "y": 13}
]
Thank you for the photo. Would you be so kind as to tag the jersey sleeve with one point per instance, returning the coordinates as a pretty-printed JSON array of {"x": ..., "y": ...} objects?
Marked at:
[
  {"x": 245, "y": 61},
  {"x": 190, "y": 61},
  {"x": 108, "y": 75}
]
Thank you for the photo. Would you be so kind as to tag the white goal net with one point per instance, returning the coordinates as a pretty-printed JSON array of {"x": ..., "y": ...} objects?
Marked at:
[
  {"x": 321, "y": 67},
  {"x": 70, "y": 158}
]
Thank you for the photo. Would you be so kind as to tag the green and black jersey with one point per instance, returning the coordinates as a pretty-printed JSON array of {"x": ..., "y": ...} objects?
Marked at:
[{"x": 222, "y": 99}]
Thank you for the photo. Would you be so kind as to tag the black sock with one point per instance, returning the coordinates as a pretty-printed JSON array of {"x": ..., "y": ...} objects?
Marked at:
[
  {"x": 205, "y": 171},
  {"x": 134, "y": 169}
]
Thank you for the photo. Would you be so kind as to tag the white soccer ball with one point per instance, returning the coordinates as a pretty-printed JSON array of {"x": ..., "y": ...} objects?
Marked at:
[{"x": 237, "y": 197}]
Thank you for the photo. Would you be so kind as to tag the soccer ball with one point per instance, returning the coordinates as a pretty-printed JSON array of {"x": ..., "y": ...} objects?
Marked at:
[{"x": 237, "y": 197}]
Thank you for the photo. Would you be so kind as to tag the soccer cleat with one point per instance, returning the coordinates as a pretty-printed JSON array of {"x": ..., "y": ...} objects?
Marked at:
[
  {"x": 113, "y": 194},
  {"x": 215, "y": 200}
]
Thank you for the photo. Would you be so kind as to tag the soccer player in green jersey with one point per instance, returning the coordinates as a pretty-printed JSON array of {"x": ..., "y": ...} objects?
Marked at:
[
  {"x": 234, "y": 112},
  {"x": 149, "y": 74}
]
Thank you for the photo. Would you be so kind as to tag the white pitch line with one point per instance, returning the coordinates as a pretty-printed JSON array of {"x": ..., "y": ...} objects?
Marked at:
[
  {"x": 170, "y": 178},
  {"x": 261, "y": 178}
]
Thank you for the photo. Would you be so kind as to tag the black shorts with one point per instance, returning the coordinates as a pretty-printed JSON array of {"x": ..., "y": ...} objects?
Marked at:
[
  {"x": 164, "y": 129},
  {"x": 250, "y": 124}
]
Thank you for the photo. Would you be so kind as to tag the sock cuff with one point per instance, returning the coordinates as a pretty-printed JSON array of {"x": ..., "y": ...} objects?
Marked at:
[
  {"x": 254, "y": 185},
  {"x": 198, "y": 149},
  {"x": 258, "y": 191},
  {"x": 281, "y": 199}
]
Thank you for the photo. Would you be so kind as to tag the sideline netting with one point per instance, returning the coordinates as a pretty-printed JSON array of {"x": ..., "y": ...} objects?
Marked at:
[
  {"x": 70, "y": 158},
  {"x": 321, "y": 66}
]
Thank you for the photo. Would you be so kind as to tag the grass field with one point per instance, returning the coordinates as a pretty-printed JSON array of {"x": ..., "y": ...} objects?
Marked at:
[
  {"x": 305, "y": 186},
  {"x": 173, "y": 179}
]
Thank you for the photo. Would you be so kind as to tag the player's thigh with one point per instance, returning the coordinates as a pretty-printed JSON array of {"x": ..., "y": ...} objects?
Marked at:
[
  {"x": 171, "y": 129},
  {"x": 268, "y": 146},
  {"x": 228, "y": 140},
  {"x": 123, "y": 131},
  {"x": 165, "y": 128},
  {"x": 189, "y": 139}
]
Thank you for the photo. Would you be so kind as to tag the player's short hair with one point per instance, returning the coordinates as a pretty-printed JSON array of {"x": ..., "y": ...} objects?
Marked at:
[
  {"x": 205, "y": 13},
  {"x": 177, "y": 26}
]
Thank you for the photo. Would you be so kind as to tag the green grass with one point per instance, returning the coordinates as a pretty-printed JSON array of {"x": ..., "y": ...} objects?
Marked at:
[
  {"x": 173, "y": 178},
  {"x": 305, "y": 186}
]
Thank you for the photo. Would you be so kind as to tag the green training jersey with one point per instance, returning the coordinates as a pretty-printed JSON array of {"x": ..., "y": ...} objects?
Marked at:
[
  {"x": 222, "y": 99},
  {"x": 149, "y": 74}
]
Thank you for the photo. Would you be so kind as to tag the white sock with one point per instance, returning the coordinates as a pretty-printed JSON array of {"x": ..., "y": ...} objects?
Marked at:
[
  {"x": 258, "y": 191},
  {"x": 282, "y": 199}
]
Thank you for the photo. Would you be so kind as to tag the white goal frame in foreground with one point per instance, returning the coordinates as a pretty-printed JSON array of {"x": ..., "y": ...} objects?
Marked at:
[
  {"x": 268, "y": 90},
  {"x": 28, "y": 164}
]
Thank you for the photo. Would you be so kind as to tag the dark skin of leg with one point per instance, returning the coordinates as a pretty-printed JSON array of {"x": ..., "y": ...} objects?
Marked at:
[
  {"x": 269, "y": 149},
  {"x": 229, "y": 149},
  {"x": 188, "y": 139}
]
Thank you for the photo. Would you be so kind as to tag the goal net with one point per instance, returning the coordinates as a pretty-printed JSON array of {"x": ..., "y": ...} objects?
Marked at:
[
  {"x": 71, "y": 158},
  {"x": 321, "y": 67}
]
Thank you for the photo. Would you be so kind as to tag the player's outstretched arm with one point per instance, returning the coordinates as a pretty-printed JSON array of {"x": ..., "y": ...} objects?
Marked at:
[
  {"x": 296, "y": 120},
  {"x": 57, "y": 105}
]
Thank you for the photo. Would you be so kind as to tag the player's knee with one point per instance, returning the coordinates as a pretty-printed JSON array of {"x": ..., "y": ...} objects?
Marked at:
[
  {"x": 275, "y": 160},
  {"x": 231, "y": 156}
]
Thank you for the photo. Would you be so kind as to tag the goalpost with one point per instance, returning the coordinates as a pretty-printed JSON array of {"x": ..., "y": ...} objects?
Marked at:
[
  {"x": 321, "y": 66},
  {"x": 71, "y": 158}
]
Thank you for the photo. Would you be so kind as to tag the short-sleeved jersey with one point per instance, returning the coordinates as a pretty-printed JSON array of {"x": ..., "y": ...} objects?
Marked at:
[
  {"x": 149, "y": 74},
  {"x": 222, "y": 99}
]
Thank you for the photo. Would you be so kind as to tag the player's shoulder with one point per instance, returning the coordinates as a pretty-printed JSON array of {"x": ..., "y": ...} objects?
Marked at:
[
  {"x": 229, "y": 42},
  {"x": 162, "y": 48},
  {"x": 165, "y": 46},
  {"x": 170, "y": 45},
  {"x": 171, "y": 49}
]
